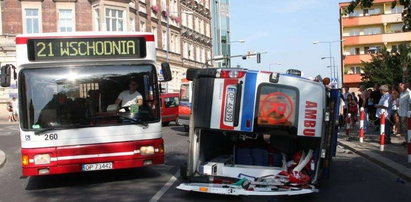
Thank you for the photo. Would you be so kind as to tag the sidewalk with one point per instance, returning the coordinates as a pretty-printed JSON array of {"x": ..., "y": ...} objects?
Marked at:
[{"x": 394, "y": 157}]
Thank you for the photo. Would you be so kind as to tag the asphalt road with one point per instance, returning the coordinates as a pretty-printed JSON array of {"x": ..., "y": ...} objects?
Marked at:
[{"x": 353, "y": 178}]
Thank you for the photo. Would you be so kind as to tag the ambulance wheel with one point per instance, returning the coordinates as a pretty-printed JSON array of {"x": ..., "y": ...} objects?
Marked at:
[
  {"x": 165, "y": 123},
  {"x": 183, "y": 172},
  {"x": 186, "y": 128}
]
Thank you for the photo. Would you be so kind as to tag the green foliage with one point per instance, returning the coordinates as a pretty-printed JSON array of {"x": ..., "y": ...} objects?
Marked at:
[{"x": 387, "y": 67}]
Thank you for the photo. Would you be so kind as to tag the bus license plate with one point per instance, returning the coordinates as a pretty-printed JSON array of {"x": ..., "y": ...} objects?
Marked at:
[
  {"x": 97, "y": 166},
  {"x": 229, "y": 106}
]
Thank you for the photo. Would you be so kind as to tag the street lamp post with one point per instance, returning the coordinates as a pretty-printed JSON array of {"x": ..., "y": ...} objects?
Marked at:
[
  {"x": 227, "y": 57},
  {"x": 332, "y": 67},
  {"x": 330, "y": 57}
]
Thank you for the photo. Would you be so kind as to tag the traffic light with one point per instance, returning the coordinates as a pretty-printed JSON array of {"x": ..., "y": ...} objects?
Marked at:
[
  {"x": 244, "y": 57},
  {"x": 258, "y": 58}
]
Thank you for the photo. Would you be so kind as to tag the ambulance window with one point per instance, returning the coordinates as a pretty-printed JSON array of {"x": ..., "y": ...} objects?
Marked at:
[{"x": 277, "y": 105}]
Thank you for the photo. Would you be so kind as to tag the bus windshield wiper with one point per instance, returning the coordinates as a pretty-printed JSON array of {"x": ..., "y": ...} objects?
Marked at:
[
  {"x": 39, "y": 131},
  {"x": 136, "y": 121}
]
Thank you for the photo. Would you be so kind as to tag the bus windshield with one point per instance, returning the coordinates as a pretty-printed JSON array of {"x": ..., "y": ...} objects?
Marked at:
[{"x": 88, "y": 96}]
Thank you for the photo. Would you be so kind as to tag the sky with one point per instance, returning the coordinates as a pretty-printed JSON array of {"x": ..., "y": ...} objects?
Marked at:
[{"x": 286, "y": 30}]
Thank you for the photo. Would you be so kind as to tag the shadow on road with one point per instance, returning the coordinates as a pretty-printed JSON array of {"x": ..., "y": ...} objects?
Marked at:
[
  {"x": 89, "y": 178},
  {"x": 179, "y": 129}
]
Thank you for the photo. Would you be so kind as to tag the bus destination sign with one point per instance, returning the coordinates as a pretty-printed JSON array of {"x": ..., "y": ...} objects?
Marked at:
[{"x": 86, "y": 48}]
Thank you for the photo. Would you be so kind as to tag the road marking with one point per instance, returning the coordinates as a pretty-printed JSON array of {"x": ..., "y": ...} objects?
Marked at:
[{"x": 166, "y": 187}]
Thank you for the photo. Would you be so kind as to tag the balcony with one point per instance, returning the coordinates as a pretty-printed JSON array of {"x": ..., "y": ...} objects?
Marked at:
[
  {"x": 377, "y": 39},
  {"x": 353, "y": 79},
  {"x": 371, "y": 20},
  {"x": 356, "y": 59}
]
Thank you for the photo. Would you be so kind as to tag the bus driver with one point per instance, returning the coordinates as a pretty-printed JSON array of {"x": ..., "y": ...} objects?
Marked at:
[{"x": 131, "y": 96}]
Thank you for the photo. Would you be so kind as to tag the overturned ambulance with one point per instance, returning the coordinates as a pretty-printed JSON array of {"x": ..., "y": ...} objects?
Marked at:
[{"x": 258, "y": 133}]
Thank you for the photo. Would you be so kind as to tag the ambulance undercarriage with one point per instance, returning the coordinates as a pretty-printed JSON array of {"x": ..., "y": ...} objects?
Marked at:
[{"x": 255, "y": 154}]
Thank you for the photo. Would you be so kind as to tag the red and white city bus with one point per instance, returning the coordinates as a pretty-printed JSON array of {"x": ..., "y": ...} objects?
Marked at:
[{"x": 71, "y": 119}]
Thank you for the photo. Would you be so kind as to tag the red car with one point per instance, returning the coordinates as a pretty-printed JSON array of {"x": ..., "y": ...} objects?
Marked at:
[{"x": 169, "y": 107}]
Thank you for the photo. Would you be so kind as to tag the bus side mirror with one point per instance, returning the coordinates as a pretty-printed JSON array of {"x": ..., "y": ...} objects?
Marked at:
[
  {"x": 165, "y": 68},
  {"x": 5, "y": 75}
]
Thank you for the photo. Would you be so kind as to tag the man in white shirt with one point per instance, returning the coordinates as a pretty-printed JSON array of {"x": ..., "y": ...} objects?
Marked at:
[
  {"x": 404, "y": 106},
  {"x": 384, "y": 106},
  {"x": 131, "y": 96},
  {"x": 344, "y": 97}
]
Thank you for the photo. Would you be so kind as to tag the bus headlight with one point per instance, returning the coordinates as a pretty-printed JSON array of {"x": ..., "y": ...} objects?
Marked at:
[
  {"x": 41, "y": 159},
  {"x": 146, "y": 150}
]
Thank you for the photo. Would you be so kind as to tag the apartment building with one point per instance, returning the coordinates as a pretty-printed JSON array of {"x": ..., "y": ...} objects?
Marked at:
[
  {"x": 40, "y": 16},
  {"x": 365, "y": 32}
]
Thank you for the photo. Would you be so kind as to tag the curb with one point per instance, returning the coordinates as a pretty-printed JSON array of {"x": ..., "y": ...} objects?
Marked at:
[
  {"x": 394, "y": 167},
  {"x": 2, "y": 158}
]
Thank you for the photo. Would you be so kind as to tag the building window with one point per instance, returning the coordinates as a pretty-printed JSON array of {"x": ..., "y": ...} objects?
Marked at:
[
  {"x": 132, "y": 24},
  {"x": 191, "y": 52},
  {"x": 66, "y": 20},
  {"x": 164, "y": 39},
  {"x": 198, "y": 59},
  {"x": 355, "y": 70},
  {"x": 185, "y": 50},
  {"x": 96, "y": 21},
  {"x": 397, "y": 9},
  {"x": 114, "y": 20},
  {"x": 172, "y": 43},
  {"x": 190, "y": 21},
  {"x": 355, "y": 13},
  {"x": 142, "y": 26},
  {"x": 184, "y": 18},
  {"x": 154, "y": 30},
  {"x": 32, "y": 20},
  {"x": 354, "y": 51},
  {"x": 374, "y": 49},
  {"x": 396, "y": 28},
  {"x": 372, "y": 30},
  {"x": 395, "y": 48}
]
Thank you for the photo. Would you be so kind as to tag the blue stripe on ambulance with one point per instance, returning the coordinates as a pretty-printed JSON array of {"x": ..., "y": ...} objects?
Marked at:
[{"x": 248, "y": 101}]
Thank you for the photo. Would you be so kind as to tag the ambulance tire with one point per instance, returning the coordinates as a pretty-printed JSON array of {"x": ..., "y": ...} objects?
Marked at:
[
  {"x": 186, "y": 128},
  {"x": 183, "y": 172},
  {"x": 165, "y": 123}
]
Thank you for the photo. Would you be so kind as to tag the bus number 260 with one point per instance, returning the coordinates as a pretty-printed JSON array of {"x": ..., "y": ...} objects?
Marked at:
[{"x": 51, "y": 136}]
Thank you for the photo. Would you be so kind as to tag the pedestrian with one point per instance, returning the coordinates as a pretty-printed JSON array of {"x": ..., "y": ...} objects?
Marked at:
[
  {"x": 394, "y": 115},
  {"x": 384, "y": 106},
  {"x": 354, "y": 97},
  {"x": 375, "y": 96},
  {"x": 352, "y": 107},
  {"x": 344, "y": 97},
  {"x": 15, "y": 108},
  {"x": 363, "y": 102},
  {"x": 404, "y": 107},
  {"x": 10, "y": 111}
]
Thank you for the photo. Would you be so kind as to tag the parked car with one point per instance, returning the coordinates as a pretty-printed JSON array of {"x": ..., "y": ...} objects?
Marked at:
[{"x": 169, "y": 107}]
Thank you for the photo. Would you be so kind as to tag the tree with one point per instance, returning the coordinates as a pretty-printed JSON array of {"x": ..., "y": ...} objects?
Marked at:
[
  {"x": 364, "y": 4},
  {"x": 386, "y": 67}
]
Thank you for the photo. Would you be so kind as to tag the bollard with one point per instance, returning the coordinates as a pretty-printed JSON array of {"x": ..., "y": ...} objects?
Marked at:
[
  {"x": 382, "y": 132},
  {"x": 348, "y": 124},
  {"x": 362, "y": 116},
  {"x": 408, "y": 136}
]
